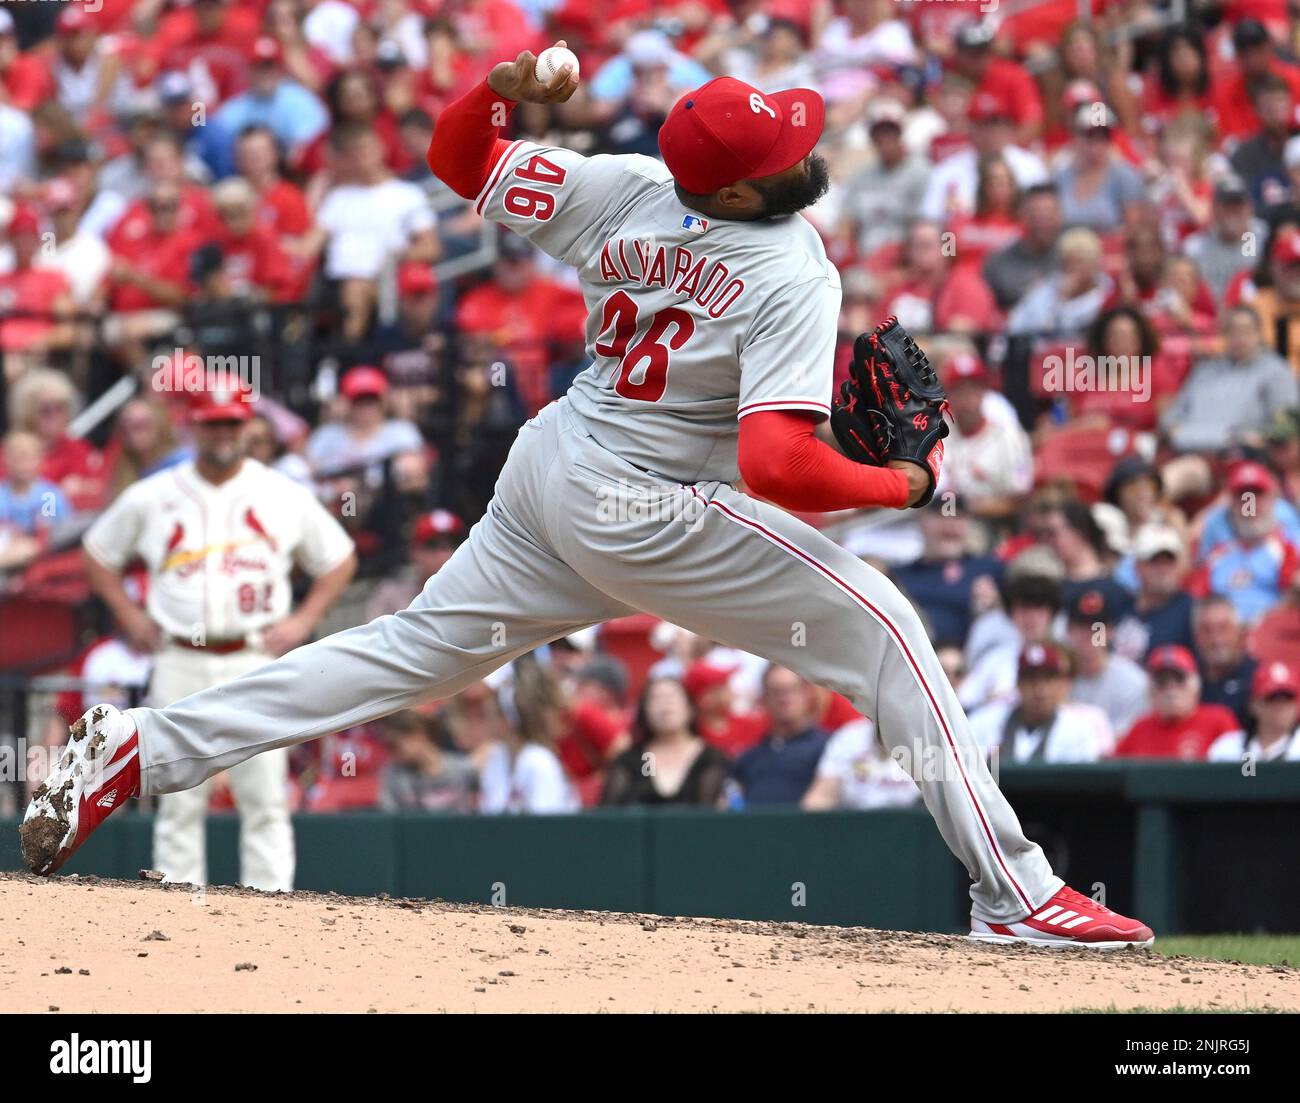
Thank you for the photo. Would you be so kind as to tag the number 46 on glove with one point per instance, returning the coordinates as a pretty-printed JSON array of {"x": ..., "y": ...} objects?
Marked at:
[{"x": 891, "y": 407}]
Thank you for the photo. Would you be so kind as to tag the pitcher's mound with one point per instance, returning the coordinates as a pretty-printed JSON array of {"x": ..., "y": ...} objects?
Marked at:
[{"x": 84, "y": 944}]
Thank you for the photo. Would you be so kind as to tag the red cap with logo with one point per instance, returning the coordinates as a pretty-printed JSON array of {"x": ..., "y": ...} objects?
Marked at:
[
  {"x": 1171, "y": 656},
  {"x": 25, "y": 220},
  {"x": 1275, "y": 678},
  {"x": 1249, "y": 475},
  {"x": 1286, "y": 249},
  {"x": 727, "y": 131},
  {"x": 437, "y": 524},
  {"x": 1043, "y": 658},
  {"x": 965, "y": 368},
  {"x": 267, "y": 49},
  {"x": 72, "y": 18},
  {"x": 221, "y": 402}
]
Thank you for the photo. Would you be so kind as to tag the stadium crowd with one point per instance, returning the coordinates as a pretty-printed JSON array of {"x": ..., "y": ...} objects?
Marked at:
[{"x": 1094, "y": 224}]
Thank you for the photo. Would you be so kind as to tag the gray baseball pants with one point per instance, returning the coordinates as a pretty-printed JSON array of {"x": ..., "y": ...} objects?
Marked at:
[{"x": 575, "y": 536}]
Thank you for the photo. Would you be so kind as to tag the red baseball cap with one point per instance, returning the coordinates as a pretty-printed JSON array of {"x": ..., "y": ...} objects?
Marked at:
[
  {"x": 727, "y": 131},
  {"x": 1277, "y": 677},
  {"x": 1042, "y": 658},
  {"x": 220, "y": 402},
  {"x": 267, "y": 49},
  {"x": 363, "y": 381},
  {"x": 965, "y": 368},
  {"x": 1286, "y": 249},
  {"x": 437, "y": 524},
  {"x": 1171, "y": 656},
  {"x": 986, "y": 107},
  {"x": 1249, "y": 475},
  {"x": 72, "y": 18},
  {"x": 25, "y": 220},
  {"x": 415, "y": 279},
  {"x": 702, "y": 676}
]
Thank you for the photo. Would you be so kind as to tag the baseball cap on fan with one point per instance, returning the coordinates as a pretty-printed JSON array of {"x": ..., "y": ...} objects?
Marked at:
[
  {"x": 1275, "y": 679},
  {"x": 438, "y": 525},
  {"x": 727, "y": 131}
]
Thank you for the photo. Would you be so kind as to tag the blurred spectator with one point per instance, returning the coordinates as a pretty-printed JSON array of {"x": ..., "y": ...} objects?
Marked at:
[
  {"x": 1068, "y": 301},
  {"x": 1079, "y": 542},
  {"x": 668, "y": 762},
  {"x": 1245, "y": 479},
  {"x": 81, "y": 258},
  {"x": 1162, "y": 605},
  {"x": 367, "y": 220},
  {"x": 1180, "y": 82},
  {"x": 1224, "y": 664},
  {"x": 24, "y": 78},
  {"x": 942, "y": 584},
  {"x": 881, "y": 198},
  {"x": 253, "y": 264},
  {"x": 412, "y": 349},
  {"x": 1110, "y": 683},
  {"x": 531, "y": 318},
  {"x": 1257, "y": 61},
  {"x": 144, "y": 442},
  {"x": 1012, "y": 270},
  {"x": 17, "y": 135},
  {"x": 1278, "y": 303},
  {"x": 867, "y": 33},
  {"x": 933, "y": 293},
  {"x": 265, "y": 441},
  {"x": 1044, "y": 724},
  {"x": 1258, "y": 159},
  {"x": 420, "y": 774},
  {"x": 1256, "y": 565},
  {"x": 645, "y": 51},
  {"x": 1220, "y": 249},
  {"x": 29, "y": 504},
  {"x": 1283, "y": 438},
  {"x": 780, "y": 768},
  {"x": 1095, "y": 183},
  {"x": 366, "y": 436},
  {"x": 37, "y": 300},
  {"x": 717, "y": 719},
  {"x": 954, "y": 181},
  {"x": 435, "y": 537},
  {"x": 992, "y": 225},
  {"x": 273, "y": 100},
  {"x": 857, "y": 771},
  {"x": 1031, "y": 603},
  {"x": 151, "y": 260},
  {"x": 1002, "y": 81},
  {"x": 522, "y": 772},
  {"x": 1225, "y": 399},
  {"x": 989, "y": 462},
  {"x": 1275, "y": 690},
  {"x": 1179, "y": 725},
  {"x": 1136, "y": 490},
  {"x": 42, "y": 402}
]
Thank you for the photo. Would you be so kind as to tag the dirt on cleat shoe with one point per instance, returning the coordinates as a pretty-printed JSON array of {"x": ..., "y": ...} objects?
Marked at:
[{"x": 96, "y": 773}]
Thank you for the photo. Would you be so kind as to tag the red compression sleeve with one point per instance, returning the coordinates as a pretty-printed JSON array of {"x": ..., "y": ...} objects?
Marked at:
[
  {"x": 781, "y": 460},
  {"x": 465, "y": 147}
]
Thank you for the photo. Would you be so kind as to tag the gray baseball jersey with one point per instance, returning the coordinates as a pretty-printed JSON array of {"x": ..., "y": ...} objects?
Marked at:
[
  {"x": 617, "y": 498},
  {"x": 693, "y": 321}
]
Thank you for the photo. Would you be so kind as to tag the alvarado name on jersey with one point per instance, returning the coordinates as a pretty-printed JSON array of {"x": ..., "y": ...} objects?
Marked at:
[{"x": 637, "y": 260}]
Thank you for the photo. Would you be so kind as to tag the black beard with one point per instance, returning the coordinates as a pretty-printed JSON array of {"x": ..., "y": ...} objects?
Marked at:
[{"x": 798, "y": 192}]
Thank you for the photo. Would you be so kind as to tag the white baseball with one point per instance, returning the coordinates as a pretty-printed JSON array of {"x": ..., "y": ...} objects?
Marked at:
[{"x": 551, "y": 60}]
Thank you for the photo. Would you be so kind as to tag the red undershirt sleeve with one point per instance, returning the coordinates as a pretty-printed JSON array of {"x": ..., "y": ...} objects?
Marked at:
[
  {"x": 465, "y": 147},
  {"x": 781, "y": 460}
]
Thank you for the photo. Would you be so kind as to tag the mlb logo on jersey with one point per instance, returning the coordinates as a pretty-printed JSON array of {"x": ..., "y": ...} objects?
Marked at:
[{"x": 695, "y": 224}]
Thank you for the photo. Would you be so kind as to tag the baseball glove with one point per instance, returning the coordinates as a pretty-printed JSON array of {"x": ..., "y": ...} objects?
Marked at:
[{"x": 891, "y": 406}]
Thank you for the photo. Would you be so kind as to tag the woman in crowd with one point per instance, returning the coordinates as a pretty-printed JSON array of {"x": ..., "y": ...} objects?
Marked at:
[
  {"x": 522, "y": 772},
  {"x": 42, "y": 402},
  {"x": 144, "y": 442},
  {"x": 667, "y": 763}
]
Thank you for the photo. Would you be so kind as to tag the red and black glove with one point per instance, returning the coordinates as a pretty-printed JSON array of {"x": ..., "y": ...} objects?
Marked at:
[{"x": 891, "y": 407}]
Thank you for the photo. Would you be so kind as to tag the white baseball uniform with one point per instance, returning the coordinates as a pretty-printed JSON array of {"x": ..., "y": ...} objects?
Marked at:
[
  {"x": 618, "y": 498},
  {"x": 220, "y": 559}
]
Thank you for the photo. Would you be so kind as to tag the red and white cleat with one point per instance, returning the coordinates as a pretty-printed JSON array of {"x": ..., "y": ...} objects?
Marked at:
[
  {"x": 1068, "y": 919},
  {"x": 97, "y": 772}
]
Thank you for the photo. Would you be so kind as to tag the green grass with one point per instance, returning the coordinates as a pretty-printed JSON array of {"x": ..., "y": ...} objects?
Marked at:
[{"x": 1250, "y": 949}]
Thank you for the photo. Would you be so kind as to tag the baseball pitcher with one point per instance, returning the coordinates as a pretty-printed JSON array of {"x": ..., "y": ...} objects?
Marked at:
[{"x": 712, "y": 324}]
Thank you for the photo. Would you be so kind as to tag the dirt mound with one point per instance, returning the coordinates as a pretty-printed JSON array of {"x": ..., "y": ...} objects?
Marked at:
[{"x": 85, "y": 944}]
